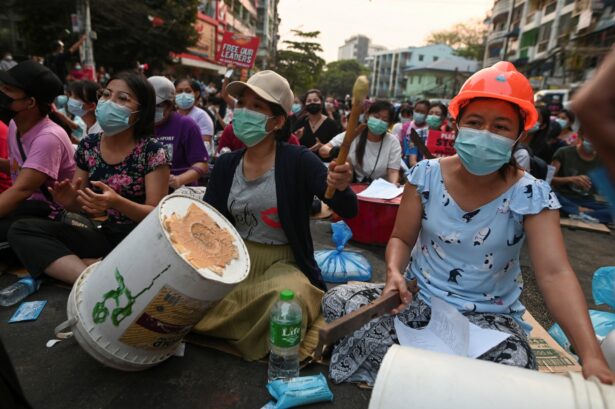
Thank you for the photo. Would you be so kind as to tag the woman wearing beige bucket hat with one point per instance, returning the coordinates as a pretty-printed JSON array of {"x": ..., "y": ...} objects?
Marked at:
[{"x": 266, "y": 191}]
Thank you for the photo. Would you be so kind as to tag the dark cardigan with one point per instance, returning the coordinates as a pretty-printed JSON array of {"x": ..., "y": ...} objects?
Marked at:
[{"x": 299, "y": 175}]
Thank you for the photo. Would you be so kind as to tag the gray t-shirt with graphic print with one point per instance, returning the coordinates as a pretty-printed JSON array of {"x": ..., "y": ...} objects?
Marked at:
[{"x": 254, "y": 207}]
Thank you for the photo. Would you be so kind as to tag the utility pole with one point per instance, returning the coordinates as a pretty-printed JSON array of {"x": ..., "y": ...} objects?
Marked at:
[{"x": 87, "y": 49}]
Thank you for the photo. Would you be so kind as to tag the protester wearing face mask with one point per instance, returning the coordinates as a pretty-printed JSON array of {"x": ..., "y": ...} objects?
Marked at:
[
  {"x": 485, "y": 206},
  {"x": 40, "y": 151},
  {"x": 181, "y": 136},
  {"x": 82, "y": 104},
  {"x": 410, "y": 153},
  {"x": 405, "y": 116},
  {"x": 187, "y": 92},
  {"x": 436, "y": 117},
  {"x": 122, "y": 173},
  {"x": 375, "y": 153},
  {"x": 573, "y": 185},
  {"x": 266, "y": 191},
  {"x": 315, "y": 129},
  {"x": 567, "y": 136}
]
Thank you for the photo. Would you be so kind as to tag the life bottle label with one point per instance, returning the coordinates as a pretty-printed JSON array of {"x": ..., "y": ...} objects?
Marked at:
[{"x": 285, "y": 335}]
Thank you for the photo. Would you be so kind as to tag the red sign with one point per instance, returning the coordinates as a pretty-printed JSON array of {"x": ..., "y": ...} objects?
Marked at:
[
  {"x": 441, "y": 144},
  {"x": 238, "y": 49}
]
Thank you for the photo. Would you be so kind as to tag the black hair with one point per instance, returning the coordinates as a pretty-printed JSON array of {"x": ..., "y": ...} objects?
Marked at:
[
  {"x": 538, "y": 141},
  {"x": 146, "y": 97},
  {"x": 569, "y": 115},
  {"x": 512, "y": 163},
  {"x": 282, "y": 134},
  {"x": 194, "y": 84},
  {"x": 312, "y": 91},
  {"x": 405, "y": 109},
  {"x": 442, "y": 107},
  {"x": 85, "y": 90},
  {"x": 422, "y": 102},
  {"x": 378, "y": 106}
]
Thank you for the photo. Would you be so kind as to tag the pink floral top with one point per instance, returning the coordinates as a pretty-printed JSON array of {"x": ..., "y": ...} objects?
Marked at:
[{"x": 127, "y": 177}]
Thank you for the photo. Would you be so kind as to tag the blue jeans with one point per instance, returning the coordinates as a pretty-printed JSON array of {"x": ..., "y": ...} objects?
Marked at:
[{"x": 570, "y": 205}]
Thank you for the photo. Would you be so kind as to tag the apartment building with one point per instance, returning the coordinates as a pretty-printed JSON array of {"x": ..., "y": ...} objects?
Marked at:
[
  {"x": 358, "y": 48},
  {"x": 268, "y": 22},
  {"x": 556, "y": 43}
]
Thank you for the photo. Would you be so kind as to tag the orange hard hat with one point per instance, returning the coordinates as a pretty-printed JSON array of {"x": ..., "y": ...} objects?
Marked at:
[{"x": 501, "y": 81}]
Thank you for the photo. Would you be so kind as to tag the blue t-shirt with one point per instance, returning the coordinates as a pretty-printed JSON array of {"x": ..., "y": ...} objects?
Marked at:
[{"x": 471, "y": 259}]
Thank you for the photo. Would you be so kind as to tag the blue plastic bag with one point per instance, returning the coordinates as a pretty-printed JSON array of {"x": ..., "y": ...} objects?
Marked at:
[
  {"x": 603, "y": 286},
  {"x": 339, "y": 266}
]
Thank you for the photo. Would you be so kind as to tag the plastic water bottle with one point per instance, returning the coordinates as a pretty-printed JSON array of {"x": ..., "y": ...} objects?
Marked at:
[
  {"x": 16, "y": 292},
  {"x": 284, "y": 337}
]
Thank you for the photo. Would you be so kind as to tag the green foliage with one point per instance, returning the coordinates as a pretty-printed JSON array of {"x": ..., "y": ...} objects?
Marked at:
[
  {"x": 467, "y": 39},
  {"x": 339, "y": 77},
  {"x": 125, "y": 34},
  {"x": 300, "y": 63}
]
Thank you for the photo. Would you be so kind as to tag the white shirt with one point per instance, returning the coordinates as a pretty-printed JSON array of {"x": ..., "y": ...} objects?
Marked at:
[
  {"x": 374, "y": 165},
  {"x": 95, "y": 128},
  {"x": 206, "y": 125}
]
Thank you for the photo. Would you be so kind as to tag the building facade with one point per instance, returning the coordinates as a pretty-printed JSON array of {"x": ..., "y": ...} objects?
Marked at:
[
  {"x": 556, "y": 43},
  {"x": 388, "y": 68},
  {"x": 359, "y": 48},
  {"x": 268, "y": 21},
  {"x": 440, "y": 79}
]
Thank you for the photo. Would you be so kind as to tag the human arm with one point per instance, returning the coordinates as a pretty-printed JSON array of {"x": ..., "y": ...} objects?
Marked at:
[
  {"x": 156, "y": 183},
  {"x": 403, "y": 238},
  {"x": 582, "y": 181},
  {"x": 193, "y": 174},
  {"x": 78, "y": 44},
  {"x": 230, "y": 101},
  {"x": 394, "y": 159},
  {"x": 562, "y": 292},
  {"x": 393, "y": 175},
  {"x": 28, "y": 182},
  {"x": 194, "y": 154}
]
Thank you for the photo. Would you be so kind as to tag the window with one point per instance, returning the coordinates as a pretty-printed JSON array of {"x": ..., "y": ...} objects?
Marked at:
[
  {"x": 439, "y": 81},
  {"x": 421, "y": 57},
  {"x": 545, "y": 32},
  {"x": 550, "y": 8},
  {"x": 435, "y": 58},
  {"x": 420, "y": 79},
  {"x": 567, "y": 2},
  {"x": 565, "y": 25}
]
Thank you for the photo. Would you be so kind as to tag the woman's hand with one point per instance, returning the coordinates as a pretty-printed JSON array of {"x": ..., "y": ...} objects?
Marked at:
[
  {"x": 339, "y": 176},
  {"x": 598, "y": 368},
  {"x": 581, "y": 181},
  {"x": 96, "y": 203},
  {"x": 397, "y": 283},
  {"x": 174, "y": 182},
  {"x": 64, "y": 193}
]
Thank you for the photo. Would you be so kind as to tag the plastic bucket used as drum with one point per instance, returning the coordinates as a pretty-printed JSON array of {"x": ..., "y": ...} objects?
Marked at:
[
  {"x": 131, "y": 310},
  {"x": 419, "y": 379},
  {"x": 374, "y": 222}
]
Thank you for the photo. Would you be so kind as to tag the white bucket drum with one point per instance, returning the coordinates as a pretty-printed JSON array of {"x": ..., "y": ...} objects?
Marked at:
[{"x": 132, "y": 310}]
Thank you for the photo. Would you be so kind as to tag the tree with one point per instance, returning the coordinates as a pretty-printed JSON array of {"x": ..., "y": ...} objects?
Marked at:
[
  {"x": 125, "y": 29},
  {"x": 467, "y": 39},
  {"x": 339, "y": 77},
  {"x": 300, "y": 63}
]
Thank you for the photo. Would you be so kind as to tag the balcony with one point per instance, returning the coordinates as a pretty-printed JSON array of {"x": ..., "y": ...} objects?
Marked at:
[
  {"x": 501, "y": 7},
  {"x": 495, "y": 36}
]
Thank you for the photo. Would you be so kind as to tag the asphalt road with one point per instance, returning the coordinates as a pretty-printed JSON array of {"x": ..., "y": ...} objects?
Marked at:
[{"x": 65, "y": 376}]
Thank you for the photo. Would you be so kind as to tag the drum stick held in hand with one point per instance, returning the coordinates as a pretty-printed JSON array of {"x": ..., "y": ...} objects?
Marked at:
[{"x": 359, "y": 93}]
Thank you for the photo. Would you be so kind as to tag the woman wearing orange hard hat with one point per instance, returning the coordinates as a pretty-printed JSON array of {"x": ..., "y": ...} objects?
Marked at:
[{"x": 459, "y": 232}]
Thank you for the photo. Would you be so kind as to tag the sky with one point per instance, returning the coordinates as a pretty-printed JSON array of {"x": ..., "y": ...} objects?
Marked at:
[{"x": 391, "y": 23}]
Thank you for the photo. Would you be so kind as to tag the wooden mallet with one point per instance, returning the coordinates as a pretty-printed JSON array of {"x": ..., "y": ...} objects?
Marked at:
[{"x": 359, "y": 93}]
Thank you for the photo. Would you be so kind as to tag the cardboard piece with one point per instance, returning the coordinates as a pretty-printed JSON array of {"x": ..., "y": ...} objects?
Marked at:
[
  {"x": 551, "y": 357},
  {"x": 581, "y": 225}
]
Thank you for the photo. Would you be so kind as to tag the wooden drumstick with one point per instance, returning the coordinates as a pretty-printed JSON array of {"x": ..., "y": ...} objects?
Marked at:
[{"x": 359, "y": 93}]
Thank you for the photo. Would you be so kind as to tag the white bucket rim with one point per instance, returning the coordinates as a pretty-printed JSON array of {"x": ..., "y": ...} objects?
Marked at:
[{"x": 222, "y": 222}]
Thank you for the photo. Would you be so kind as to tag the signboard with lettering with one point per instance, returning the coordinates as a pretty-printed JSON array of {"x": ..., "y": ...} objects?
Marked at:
[
  {"x": 441, "y": 144},
  {"x": 238, "y": 49},
  {"x": 206, "y": 45}
]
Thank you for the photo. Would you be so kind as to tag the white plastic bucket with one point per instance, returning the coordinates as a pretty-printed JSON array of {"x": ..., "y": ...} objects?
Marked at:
[
  {"x": 131, "y": 310},
  {"x": 419, "y": 379}
]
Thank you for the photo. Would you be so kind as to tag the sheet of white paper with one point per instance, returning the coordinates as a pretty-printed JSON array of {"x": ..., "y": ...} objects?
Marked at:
[
  {"x": 381, "y": 189},
  {"x": 449, "y": 332}
]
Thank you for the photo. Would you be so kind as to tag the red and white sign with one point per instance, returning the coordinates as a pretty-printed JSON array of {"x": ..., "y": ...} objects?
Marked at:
[
  {"x": 441, "y": 144},
  {"x": 238, "y": 49}
]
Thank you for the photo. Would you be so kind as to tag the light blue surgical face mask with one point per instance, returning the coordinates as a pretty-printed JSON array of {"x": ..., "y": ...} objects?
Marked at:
[
  {"x": 112, "y": 118},
  {"x": 562, "y": 122},
  {"x": 295, "y": 108},
  {"x": 159, "y": 114},
  {"x": 75, "y": 107},
  {"x": 419, "y": 118},
  {"x": 61, "y": 101},
  {"x": 250, "y": 126},
  {"x": 184, "y": 100},
  {"x": 588, "y": 146},
  {"x": 404, "y": 120},
  {"x": 377, "y": 126},
  {"x": 482, "y": 152}
]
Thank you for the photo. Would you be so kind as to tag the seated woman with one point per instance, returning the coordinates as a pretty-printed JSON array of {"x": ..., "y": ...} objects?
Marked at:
[
  {"x": 375, "y": 153},
  {"x": 266, "y": 191},
  {"x": 82, "y": 104},
  {"x": 187, "y": 94},
  {"x": 567, "y": 135},
  {"x": 573, "y": 185},
  {"x": 122, "y": 173},
  {"x": 40, "y": 152},
  {"x": 181, "y": 136},
  {"x": 315, "y": 128},
  {"x": 465, "y": 218},
  {"x": 436, "y": 117}
]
